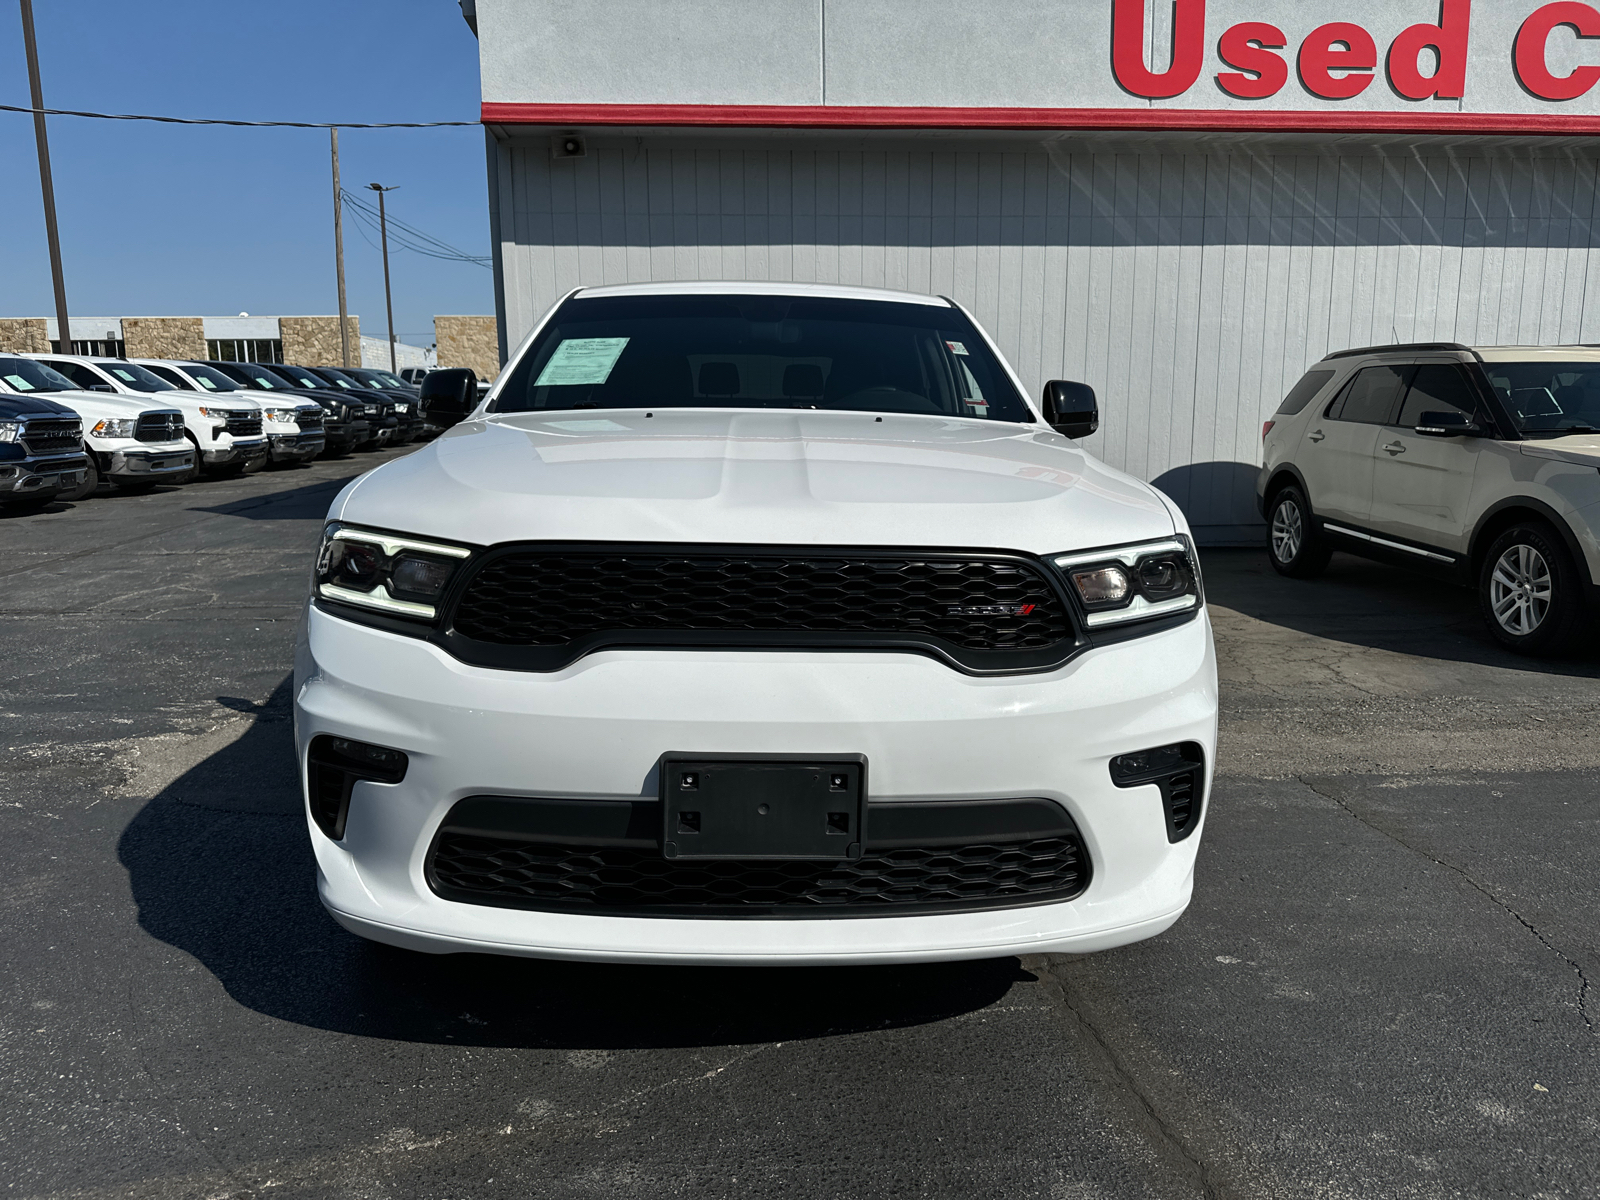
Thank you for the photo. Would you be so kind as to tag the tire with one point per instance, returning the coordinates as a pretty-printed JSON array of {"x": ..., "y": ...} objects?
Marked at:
[
  {"x": 91, "y": 480},
  {"x": 193, "y": 474},
  {"x": 1294, "y": 547},
  {"x": 1530, "y": 592}
]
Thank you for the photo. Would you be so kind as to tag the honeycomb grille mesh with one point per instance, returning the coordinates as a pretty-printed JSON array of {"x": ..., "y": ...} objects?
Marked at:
[
  {"x": 547, "y": 875},
  {"x": 553, "y": 598}
]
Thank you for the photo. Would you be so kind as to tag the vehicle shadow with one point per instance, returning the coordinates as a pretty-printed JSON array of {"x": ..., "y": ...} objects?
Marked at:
[
  {"x": 220, "y": 866},
  {"x": 307, "y": 502},
  {"x": 1365, "y": 603}
]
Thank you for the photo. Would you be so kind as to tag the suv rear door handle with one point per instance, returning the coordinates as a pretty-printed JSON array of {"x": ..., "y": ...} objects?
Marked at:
[
  {"x": 1316, "y": 435},
  {"x": 1394, "y": 448}
]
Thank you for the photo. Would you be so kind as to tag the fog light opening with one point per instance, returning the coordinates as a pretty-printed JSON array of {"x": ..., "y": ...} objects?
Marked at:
[
  {"x": 334, "y": 766},
  {"x": 1178, "y": 771}
]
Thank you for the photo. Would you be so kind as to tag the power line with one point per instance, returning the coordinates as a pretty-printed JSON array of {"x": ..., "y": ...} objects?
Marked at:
[
  {"x": 72, "y": 112},
  {"x": 409, "y": 237}
]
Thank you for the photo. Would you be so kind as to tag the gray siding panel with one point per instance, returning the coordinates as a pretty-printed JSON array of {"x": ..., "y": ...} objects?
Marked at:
[{"x": 1190, "y": 289}]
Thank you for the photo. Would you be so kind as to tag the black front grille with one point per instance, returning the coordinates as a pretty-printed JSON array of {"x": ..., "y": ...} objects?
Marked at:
[
  {"x": 52, "y": 435},
  {"x": 308, "y": 419},
  {"x": 555, "y": 876},
  {"x": 244, "y": 424},
  {"x": 159, "y": 427},
  {"x": 981, "y": 605}
]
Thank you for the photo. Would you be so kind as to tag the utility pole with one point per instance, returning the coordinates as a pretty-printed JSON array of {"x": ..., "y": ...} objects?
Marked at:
[
  {"x": 338, "y": 250},
  {"x": 46, "y": 184},
  {"x": 383, "y": 235}
]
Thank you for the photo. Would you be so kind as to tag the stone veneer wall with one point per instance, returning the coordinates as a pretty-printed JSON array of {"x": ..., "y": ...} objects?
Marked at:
[
  {"x": 164, "y": 337},
  {"x": 314, "y": 341},
  {"x": 24, "y": 335},
  {"x": 468, "y": 342}
]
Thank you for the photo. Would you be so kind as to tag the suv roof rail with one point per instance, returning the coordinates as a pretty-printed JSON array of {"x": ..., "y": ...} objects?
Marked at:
[{"x": 1403, "y": 348}]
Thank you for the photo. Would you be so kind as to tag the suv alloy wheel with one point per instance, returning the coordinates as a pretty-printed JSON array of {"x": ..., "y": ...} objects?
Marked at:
[
  {"x": 1293, "y": 544},
  {"x": 1529, "y": 592}
]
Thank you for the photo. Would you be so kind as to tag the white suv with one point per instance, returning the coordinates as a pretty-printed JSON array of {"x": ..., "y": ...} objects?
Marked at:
[
  {"x": 227, "y": 437},
  {"x": 1480, "y": 462},
  {"x": 755, "y": 623}
]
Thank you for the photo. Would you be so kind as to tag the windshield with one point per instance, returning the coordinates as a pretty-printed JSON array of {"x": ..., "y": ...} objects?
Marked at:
[
  {"x": 267, "y": 380},
  {"x": 1549, "y": 397},
  {"x": 25, "y": 375},
  {"x": 336, "y": 378},
  {"x": 762, "y": 352},
  {"x": 136, "y": 377},
  {"x": 211, "y": 379},
  {"x": 375, "y": 379},
  {"x": 298, "y": 377}
]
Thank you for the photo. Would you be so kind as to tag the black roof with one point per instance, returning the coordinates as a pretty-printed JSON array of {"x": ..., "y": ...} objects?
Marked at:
[{"x": 1403, "y": 348}]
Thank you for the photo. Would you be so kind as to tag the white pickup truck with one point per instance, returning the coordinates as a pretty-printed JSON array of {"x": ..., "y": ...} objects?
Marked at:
[
  {"x": 133, "y": 444},
  {"x": 227, "y": 437}
]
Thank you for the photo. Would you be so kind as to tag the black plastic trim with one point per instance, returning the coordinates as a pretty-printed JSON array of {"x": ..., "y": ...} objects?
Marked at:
[
  {"x": 546, "y": 659},
  {"x": 1403, "y": 348},
  {"x": 636, "y": 825},
  {"x": 1191, "y": 773}
]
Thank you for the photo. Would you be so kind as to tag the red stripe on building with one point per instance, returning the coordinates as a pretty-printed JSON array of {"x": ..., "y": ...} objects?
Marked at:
[{"x": 1187, "y": 120}]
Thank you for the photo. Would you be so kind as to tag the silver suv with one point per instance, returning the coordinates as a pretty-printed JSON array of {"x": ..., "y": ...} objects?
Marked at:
[{"x": 1482, "y": 462}]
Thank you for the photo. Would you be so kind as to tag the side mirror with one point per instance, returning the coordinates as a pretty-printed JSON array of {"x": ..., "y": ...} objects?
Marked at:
[
  {"x": 448, "y": 396},
  {"x": 1446, "y": 424},
  {"x": 102, "y": 387},
  {"x": 1070, "y": 408}
]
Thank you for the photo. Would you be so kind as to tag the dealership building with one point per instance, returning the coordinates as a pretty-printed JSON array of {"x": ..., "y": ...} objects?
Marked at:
[{"x": 1182, "y": 204}]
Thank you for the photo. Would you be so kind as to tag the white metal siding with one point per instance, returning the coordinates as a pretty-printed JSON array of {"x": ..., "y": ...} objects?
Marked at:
[{"x": 1190, "y": 289}]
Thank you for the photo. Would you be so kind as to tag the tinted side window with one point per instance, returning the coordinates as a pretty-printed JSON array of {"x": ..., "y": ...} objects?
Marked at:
[
  {"x": 1372, "y": 397},
  {"x": 1437, "y": 389},
  {"x": 81, "y": 375},
  {"x": 1300, "y": 396},
  {"x": 168, "y": 374}
]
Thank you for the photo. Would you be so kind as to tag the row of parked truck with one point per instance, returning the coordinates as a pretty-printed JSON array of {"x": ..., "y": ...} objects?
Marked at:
[{"x": 71, "y": 423}]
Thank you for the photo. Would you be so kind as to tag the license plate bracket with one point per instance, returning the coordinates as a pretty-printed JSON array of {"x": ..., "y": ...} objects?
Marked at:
[{"x": 758, "y": 806}]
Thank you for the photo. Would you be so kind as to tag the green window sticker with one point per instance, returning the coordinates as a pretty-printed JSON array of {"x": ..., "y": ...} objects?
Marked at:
[
  {"x": 206, "y": 383},
  {"x": 579, "y": 361},
  {"x": 18, "y": 382},
  {"x": 125, "y": 376}
]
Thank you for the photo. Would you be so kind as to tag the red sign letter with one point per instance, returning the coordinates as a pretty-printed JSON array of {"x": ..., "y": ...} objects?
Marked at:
[
  {"x": 1127, "y": 48},
  {"x": 1449, "y": 38},
  {"x": 1318, "y": 57},
  {"x": 1529, "y": 55},
  {"x": 1249, "y": 46}
]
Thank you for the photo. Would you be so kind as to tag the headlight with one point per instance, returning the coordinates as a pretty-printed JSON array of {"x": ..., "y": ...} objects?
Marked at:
[
  {"x": 1134, "y": 583},
  {"x": 9, "y": 430},
  {"x": 370, "y": 410},
  {"x": 397, "y": 575},
  {"x": 114, "y": 427},
  {"x": 400, "y": 408},
  {"x": 285, "y": 415}
]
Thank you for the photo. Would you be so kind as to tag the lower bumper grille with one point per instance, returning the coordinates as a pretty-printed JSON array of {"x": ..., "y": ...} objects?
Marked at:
[{"x": 635, "y": 879}]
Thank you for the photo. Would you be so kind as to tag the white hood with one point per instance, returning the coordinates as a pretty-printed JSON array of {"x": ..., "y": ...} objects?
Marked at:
[
  {"x": 95, "y": 406},
  {"x": 757, "y": 477}
]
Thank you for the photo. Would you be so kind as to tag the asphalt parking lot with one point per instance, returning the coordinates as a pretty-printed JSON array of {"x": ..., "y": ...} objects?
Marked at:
[{"x": 1384, "y": 987}]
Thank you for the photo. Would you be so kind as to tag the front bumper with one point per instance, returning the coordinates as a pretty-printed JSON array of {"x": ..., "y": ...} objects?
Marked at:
[
  {"x": 41, "y": 476},
  {"x": 243, "y": 450},
  {"x": 296, "y": 447},
  {"x": 146, "y": 464},
  {"x": 597, "y": 729}
]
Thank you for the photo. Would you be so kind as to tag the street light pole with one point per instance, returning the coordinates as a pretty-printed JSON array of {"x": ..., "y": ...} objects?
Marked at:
[
  {"x": 388, "y": 300},
  {"x": 46, "y": 185},
  {"x": 338, "y": 250}
]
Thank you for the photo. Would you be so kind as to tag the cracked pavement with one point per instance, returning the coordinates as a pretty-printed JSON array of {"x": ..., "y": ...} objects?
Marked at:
[{"x": 1382, "y": 987}]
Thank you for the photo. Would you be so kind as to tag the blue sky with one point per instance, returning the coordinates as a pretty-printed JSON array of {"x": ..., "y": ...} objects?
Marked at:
[{"x": 195, "y": 220}]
